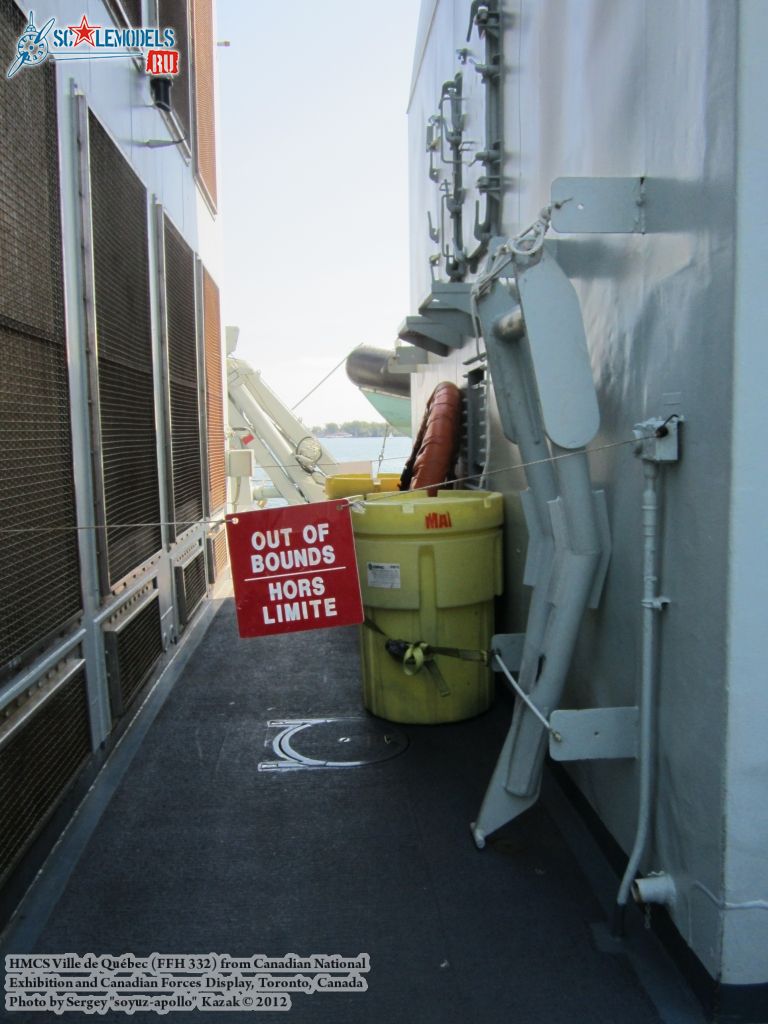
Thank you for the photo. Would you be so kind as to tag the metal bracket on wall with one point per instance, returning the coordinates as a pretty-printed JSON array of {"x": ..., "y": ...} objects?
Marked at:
[
  {"x": 445, "y": 145},
  {"x": 594, "y": 734},
  {"x": 599, "y": 205},
  {"x": 407, "y": 359},
  {"x": 580, "y": 735},
  {"x": 487, "y": 16},
  {"x": 509, "y": 647},
  {"x": 450, "y": 298},
  {"x": 658, "y": 440},
  {"x": 444, "y": 320},
  {"x": 434, "y": 135},
  {"x": 453, "y": 197},
  {"x": 436, "y": 337},
  {"x": 633, "y": 206}
]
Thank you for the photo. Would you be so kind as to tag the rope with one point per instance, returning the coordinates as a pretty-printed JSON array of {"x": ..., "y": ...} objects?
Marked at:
[
  {"x": 383, "y": 447},
  {"x": 325, "y": 378}
]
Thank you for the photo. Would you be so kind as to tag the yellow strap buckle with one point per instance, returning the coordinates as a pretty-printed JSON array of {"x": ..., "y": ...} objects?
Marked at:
[{"x": 414, "y": 660}]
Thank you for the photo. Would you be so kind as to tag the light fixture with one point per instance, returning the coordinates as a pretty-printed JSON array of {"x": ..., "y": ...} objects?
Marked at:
[{"x": 160, "y": 90}]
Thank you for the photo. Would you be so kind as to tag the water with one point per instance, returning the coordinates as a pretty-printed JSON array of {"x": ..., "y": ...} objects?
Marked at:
[
  {"x": 358, "y": 449},
  {"x": 364, "y": 449}
]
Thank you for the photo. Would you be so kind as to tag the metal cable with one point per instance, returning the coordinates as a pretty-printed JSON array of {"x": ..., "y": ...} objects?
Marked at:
[
  {"x": 325, "y": 378},
  {"x": 525, "y": 698},
  {"x": 372, "y": 497},
  {"x": 519, "y": 465}
]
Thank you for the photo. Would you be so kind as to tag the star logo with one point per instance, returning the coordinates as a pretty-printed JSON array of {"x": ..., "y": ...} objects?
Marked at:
[{"x": 84, "y": 32}]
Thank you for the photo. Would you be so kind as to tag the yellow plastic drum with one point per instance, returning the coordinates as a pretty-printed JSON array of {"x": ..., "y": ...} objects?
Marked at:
[
  {"x": 347, "y": 484},
  {"x": 429, "y": 571}
]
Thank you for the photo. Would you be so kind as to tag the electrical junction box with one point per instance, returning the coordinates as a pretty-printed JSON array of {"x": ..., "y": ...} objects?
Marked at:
[
  {"x": 239, "y": 462},
  {"x": 659, "y": 440}
]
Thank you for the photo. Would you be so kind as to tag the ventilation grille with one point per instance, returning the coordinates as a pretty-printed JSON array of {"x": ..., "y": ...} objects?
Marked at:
[
  {"x": 182, "y": 369},
  {"x": 126, "y": 389},
  {"x": 175, "y": 14},
  {"x": 220, "y": 551},
  {"x": 218, "y": 558},
  {"x": 39, "y": 571},
  {"x": 215, "y": 393},
  {"x": 37, "y": 764},
  {"x": 133, "y": 645},
  {"x": 205, "y": 124},
  {"x": 190, "y": 586}
]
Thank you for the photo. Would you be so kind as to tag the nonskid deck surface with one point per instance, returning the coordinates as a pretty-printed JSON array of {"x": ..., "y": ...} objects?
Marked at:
[{"x": 200, "y": 851}]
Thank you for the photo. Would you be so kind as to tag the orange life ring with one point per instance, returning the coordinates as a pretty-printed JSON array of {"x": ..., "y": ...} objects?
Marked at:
[{"x": 436, "y": 447}]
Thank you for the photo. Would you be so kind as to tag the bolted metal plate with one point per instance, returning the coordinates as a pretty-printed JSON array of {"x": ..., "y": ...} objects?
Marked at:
[
  {"x": 594, "y": 733},
  {"x": 598, "y": 205},
  {"x": 315, "y": 743}
]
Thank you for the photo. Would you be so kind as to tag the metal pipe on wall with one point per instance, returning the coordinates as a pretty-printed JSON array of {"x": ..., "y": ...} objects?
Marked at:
[{"x": 651, "y": 606}]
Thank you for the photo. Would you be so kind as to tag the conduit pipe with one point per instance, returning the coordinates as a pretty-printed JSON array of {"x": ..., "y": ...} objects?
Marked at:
[
  {"x": 655, "y": 888},
  {"x": 652, "y": 604}
]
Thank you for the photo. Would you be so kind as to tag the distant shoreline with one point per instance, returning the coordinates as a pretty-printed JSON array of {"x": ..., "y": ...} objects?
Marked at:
[{"x": 355, "y": 428}]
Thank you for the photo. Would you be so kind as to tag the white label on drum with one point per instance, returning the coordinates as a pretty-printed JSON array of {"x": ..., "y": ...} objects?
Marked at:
[{"x": 385, "y": 575}]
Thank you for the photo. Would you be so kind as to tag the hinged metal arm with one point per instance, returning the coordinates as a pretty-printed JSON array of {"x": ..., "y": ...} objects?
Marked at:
[{"x": 537, "y": 353}]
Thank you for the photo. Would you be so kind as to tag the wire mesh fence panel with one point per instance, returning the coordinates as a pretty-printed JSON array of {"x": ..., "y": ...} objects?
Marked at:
[
  {"x": 214, "y": 393},
  {"x": 39, "y": 570},
  {"x": 182, "y": 369},
  {"x": 125, "y": 370}
]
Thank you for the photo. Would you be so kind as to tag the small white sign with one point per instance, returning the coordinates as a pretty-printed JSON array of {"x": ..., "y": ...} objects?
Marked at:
[{"x": 385, "y": 575}]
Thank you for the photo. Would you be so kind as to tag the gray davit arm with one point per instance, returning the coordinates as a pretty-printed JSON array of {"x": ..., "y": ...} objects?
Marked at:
[{"x": 537, "y": 353}]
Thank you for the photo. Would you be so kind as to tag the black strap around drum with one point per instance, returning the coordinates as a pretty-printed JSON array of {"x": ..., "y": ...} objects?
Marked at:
[{"x": 417, "y": 654}]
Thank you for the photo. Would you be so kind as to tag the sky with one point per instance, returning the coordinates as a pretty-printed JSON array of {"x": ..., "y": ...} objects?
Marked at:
[{"x": 312, "y": 137}]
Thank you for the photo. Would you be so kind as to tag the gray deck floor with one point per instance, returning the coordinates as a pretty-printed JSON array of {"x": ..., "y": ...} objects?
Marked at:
[{"x": 199, "y": 851}]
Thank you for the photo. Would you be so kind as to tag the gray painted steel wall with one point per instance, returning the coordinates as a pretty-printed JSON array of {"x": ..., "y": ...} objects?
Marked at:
[{"x": 631, "y": 88}]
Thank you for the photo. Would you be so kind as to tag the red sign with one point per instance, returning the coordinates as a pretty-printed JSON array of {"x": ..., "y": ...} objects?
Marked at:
[
  {"x": 294, "y": 568},
  {"x": 162, "y": 62}
]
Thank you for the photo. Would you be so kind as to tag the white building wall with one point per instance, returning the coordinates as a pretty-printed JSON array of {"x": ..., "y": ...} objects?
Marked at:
[{"x": 118, "y": 93}]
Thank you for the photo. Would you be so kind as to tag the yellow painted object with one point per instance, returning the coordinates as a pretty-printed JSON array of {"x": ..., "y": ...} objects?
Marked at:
[
  {"x": 346, "y": 485},
  {"x": 429, "y": 571}
]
